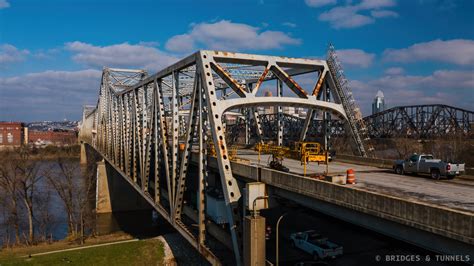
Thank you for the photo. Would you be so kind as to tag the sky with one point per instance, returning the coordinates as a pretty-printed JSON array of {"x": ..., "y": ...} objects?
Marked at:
[{"x": 52, "y": 52}]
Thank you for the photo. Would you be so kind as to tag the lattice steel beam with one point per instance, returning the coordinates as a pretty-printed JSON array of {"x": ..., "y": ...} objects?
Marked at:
[{"x": 140, "y": 122}]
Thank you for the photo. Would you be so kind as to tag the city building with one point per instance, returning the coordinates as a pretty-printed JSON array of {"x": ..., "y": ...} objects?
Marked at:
[
  {"x": 11, "y": 134},
  {"x": 378, "y": 105},
  {"x": 15, "y": 134},
  {"x": 42, "y": 138}
]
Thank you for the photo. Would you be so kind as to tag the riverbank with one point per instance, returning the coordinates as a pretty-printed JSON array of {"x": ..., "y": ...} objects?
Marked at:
[
  {"x": 114, "y": 249},
  {"x": 47, "y": 153},
  {"x": 20, "y": 251}
]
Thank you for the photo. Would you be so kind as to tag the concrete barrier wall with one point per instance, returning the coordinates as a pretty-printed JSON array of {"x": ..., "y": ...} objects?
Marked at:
[
  {"x": 454, "y": 224},
  {"x": 443, "y": 221}
]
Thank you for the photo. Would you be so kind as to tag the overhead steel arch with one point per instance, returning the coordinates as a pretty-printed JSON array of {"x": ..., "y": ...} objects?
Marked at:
[
  {"x": 141, "y": 123},
  {"x": 310, "y": 102}
]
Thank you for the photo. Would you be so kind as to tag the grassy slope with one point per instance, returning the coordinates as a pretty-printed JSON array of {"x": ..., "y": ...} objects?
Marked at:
[{"x": 145, "y": 252}]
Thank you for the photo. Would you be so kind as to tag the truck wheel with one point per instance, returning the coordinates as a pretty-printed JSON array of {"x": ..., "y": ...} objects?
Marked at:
[
  {"x": 435, "y": 174},
  {"x": 399, "y": 170}
]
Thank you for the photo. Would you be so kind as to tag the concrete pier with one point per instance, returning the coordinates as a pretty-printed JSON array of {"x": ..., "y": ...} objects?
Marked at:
[
  {"x": 83, "y": 156},
  {"x": 254, "y": 240},
  {"x": 114, "y": 194}
]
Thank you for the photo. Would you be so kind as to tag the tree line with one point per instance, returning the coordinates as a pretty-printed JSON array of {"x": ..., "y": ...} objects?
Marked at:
[{"x": 36, "y": 188}]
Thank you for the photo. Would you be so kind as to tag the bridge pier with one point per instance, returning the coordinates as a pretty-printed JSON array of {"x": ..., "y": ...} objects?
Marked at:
[
  {"x": 114, "y": 194},
  {"x": 83, "y": 156},
  {"x": 118, "y": 205},
  {"x": 254, "y": 240}
]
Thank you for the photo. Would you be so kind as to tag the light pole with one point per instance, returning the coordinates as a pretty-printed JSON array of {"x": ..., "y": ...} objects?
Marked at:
[
  {"x": 277, "y": 237},
  {"x": 255, "y": 202}
]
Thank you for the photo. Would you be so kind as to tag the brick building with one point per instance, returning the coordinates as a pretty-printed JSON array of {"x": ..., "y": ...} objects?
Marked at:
[
  {"x": 14, "y": 134},
  {"x": 52, "y": 137},
  {"x": 11, "y": 133}
]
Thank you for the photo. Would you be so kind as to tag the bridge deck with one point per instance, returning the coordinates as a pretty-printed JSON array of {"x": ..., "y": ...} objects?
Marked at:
[{"x": 456, "y": 194}]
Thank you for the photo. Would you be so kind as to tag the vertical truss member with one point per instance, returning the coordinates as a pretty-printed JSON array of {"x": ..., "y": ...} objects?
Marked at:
[{"x": 139, "y": 122}]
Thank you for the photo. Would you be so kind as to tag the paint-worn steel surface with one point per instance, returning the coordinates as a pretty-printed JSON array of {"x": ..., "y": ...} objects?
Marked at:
[{"x": 148, "y": 126}]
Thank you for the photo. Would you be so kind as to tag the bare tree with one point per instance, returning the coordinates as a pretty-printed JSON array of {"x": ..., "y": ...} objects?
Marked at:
[
  {"x": 63, "y": 182},
  {"x": 406, "y": 146},
  {"x": 18, "y": 177},
  {"x": 85, "y": 197},
  {"x": 9, "y": 184},
  {"x": 44, "y": 218},
  {"x": 27, "y": 177}
]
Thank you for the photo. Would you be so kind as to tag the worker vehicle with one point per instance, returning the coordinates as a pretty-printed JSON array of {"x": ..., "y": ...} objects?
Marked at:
[
  {"x": 315, "y": 244},
  {"x": 427, "y": 164},
  {"x": 305, "y": 152},
  {"x": 309, "y": 152}
]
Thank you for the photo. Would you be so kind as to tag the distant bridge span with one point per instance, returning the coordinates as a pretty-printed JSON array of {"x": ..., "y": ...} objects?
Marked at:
[
  {"x": 413, "y": 121},
  {"x": 420, "y": 121}
]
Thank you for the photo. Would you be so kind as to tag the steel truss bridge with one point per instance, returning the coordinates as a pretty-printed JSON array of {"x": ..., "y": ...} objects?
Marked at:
[
  {"x": 416, "y": 121},
  {"x": 149, "y": 126},
  {"x": 420, "y": 121}
]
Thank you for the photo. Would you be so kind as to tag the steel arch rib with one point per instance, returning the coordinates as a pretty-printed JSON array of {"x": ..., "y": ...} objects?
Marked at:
[{"x": 309, "y": 102}]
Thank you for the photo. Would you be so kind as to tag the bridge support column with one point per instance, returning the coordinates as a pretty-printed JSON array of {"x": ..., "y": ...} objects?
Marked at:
[
  {"x": 119, "y": 207},
  {"x": 114, "y": 194},
  {"x": 83, "y": 158},
  {"x": 254, "y": 240}
]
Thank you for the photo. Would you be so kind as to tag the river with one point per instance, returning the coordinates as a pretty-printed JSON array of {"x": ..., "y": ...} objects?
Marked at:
[{"x": 48, "y": 207}]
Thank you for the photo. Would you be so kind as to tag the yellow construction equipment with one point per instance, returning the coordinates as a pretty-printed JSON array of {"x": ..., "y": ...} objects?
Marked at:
[{"x": 304, "y": 151}]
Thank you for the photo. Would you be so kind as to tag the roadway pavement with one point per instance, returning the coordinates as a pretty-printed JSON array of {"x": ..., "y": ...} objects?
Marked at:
[
  {"x": 361, "y": 246},
  {"x": 455, "y": 194}
]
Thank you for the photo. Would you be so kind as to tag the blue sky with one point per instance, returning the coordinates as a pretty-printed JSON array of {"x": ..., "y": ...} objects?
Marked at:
[{"x": 52, "y": 51}]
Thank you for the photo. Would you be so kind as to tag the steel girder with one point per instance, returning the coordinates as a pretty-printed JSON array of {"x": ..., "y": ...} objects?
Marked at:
[
  {"x": 420, "y": 121},
  {"x": 140, "y": 123}
]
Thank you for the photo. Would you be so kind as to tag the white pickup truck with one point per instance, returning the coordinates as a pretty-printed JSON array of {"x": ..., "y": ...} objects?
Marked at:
[
  {"x": 426, "y": 164},
  {"x": 315, "y": 244}
]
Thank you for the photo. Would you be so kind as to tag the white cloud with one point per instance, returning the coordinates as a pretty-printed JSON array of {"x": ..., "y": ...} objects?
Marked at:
[
  {"x": 436, "y": 88},
  {"x": 394, "y": 71},
  {"x": 289, "y": 24},
  {"x": 180, "y": 43},
  {"x": 46, "y": 54},
  {"x": 355, "y": 57},
  {"x": 120, "y": 55},
  {"x": 10, "y": 54},
  {"x": 383, "y": 14},
  {"x": 443, "y": 79},
  {"x": 4, "y": 4},
  {"x": 48, "y": 95},
  {"x": 345, "y": 17},
  {"x": 226, "y": 35},
  {"x": 459, "y": 51},
  {"x": 353, "y": 16},
  {"x": 319, "y": 3},
  {"x": 371, "y": 4}
]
